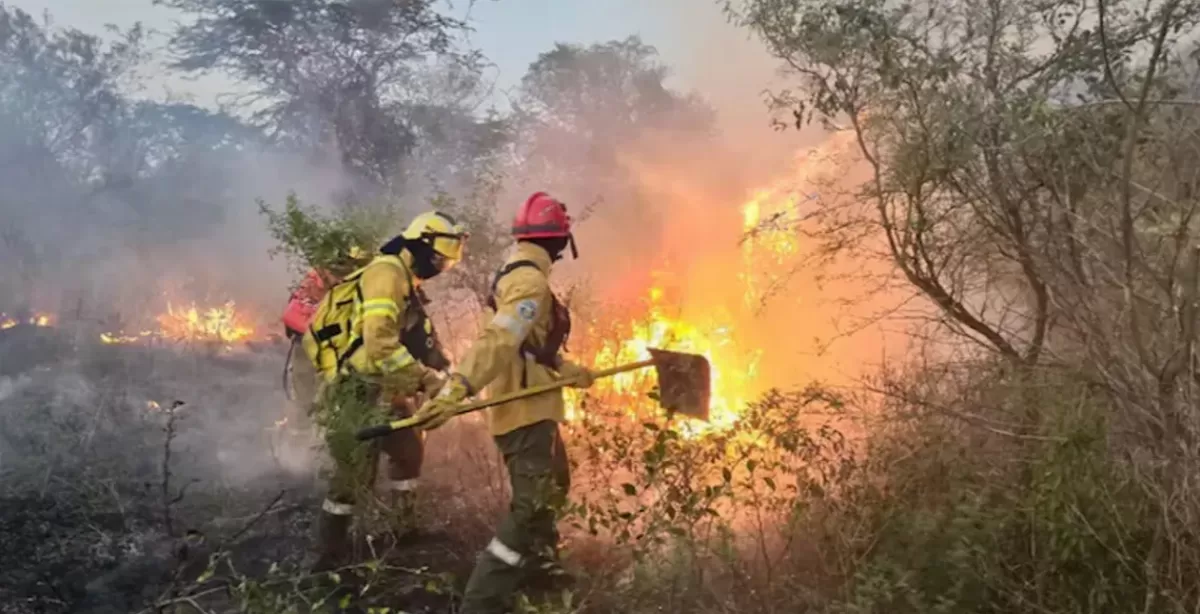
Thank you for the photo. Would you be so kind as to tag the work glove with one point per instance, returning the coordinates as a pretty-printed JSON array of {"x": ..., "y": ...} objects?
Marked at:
[
  {"x": 582, "y": 375},
  {"x": 431, "y": 383},
  {"x": 440, "y": 409},
  {"x": 403, "y": 383}
]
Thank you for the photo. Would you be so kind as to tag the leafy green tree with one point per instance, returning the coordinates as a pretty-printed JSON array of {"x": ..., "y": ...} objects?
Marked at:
[
  {"x": 582, "y": 110},
  {"x": 338, "y": 243},
  {"x": 326, "y": 75}
]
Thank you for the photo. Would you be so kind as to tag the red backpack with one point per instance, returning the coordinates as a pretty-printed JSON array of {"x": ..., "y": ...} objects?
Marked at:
[{"x": 303, "y": 303}]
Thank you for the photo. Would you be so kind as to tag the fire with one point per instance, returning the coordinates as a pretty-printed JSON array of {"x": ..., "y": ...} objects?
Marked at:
[
  {"x": 212, "y": 324},
  {"x": 40, "y": 320},
  {"x": 773, "y": 236},
  {"x": 715, "y": 326},
  {"x": 223, "y": 324},
  {"x": 118, "y": 338},
  {"x": 734, "y": 368},
  {"x": 706, "y": 298}
]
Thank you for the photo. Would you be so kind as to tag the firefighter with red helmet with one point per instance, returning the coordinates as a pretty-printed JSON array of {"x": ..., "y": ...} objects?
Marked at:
[{"x": 521, "y": 347}]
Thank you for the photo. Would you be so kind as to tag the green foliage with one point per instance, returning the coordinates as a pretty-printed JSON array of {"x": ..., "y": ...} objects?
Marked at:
[
  {"x": 312, "y": 240},
  {"x": 222, "y": 587},
  {"x": 671, "y": 499},
  {"x": 345, "y": 407},
  {"x": 953, "y": 530}
]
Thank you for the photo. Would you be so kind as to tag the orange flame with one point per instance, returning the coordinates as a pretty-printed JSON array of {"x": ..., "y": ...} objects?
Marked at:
[
  {"x": 41, "y": 320},
  {"x": 212, "y": 324},
  {"x": 715, "y": 327},
  {"x": 224, "y": 324}
]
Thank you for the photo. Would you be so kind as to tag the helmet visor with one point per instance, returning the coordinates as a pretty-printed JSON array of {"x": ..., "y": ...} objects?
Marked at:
[{"x": 448, "y": 249}]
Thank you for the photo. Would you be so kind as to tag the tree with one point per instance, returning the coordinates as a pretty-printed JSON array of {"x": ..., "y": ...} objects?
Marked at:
[
  {"x": 59, "y": 90},
  {"x": 328, "y": 75},
  {"x": 1031, "y": 173},
  {"x": 59, "y": 96},
  {"x": 581, "y": 109},
  {"x": 87, "y": 166},
  {"x": 972, "y": 116}
]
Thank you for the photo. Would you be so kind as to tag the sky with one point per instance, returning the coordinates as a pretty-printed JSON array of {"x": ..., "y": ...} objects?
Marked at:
[{"x": 706, "y": 53}]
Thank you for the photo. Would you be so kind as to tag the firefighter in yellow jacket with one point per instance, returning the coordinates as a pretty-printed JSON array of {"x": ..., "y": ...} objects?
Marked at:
[
  {"x": 368, "y": 340},
  {"x": 519, "y": 348}
]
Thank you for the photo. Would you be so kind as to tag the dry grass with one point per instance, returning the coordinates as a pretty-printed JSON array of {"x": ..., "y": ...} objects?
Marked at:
[{"x": 930, "y": 513}]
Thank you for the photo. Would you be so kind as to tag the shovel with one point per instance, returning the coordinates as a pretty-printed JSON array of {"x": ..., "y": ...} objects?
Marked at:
[{"x": 684, "y": 386}]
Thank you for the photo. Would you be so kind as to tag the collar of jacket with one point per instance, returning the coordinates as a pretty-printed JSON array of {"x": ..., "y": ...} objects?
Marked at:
[
  {"x": 404, "y": 259},
  {"x": 533, "y": 253}
]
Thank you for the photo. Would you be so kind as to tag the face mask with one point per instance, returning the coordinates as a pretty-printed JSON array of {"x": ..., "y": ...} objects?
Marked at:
[
  {"x": 555, "y": 247},
  {"x": 427, "y": 263}
]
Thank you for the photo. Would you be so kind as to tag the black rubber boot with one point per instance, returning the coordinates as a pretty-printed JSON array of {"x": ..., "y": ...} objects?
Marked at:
[{"x": 333, "y": 541}]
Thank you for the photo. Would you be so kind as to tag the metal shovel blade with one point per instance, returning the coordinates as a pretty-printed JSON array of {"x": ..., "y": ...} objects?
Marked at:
[{"x": 684, "y": 382}]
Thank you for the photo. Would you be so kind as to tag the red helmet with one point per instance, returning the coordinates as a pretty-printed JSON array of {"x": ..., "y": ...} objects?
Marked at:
[{"x": 543, "y": 217}]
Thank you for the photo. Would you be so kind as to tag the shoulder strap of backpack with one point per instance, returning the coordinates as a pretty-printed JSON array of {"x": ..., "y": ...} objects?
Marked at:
[
  {"x": 505, "y": 270},
  {"x": 408, "y": 276}
]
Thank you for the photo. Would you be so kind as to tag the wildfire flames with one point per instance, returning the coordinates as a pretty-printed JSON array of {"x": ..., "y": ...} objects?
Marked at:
[
  {"x": 712, "y": 282},
  {"x": 223, "y": 324},
  {"x": 193, "y": 324},
  {"x": 40, "y": 319},
  {"x": 714, "y": 329}
]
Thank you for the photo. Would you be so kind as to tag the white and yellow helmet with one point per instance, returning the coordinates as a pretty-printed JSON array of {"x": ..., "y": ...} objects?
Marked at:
[{"x": 445, "y": 235}]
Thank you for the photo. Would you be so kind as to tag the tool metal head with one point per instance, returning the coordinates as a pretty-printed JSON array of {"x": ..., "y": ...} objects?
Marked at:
[{"x": 684, "y": 382}]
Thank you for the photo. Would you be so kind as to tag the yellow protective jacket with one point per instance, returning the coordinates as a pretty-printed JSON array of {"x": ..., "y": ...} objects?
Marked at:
[
  {"x": 523, "y": 312},
  {"x": 387, "y": 288}
]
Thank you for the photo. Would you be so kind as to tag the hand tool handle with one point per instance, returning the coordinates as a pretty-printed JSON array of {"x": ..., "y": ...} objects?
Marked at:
[{"x": 524, "y": 393}]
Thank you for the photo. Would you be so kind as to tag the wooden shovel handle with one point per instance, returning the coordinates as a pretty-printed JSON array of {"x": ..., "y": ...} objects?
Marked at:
[{"x": 524, "y": 393}]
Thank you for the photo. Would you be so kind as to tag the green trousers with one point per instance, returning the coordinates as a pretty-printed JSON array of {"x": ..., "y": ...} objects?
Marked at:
[{"x": 528, "y": 536}]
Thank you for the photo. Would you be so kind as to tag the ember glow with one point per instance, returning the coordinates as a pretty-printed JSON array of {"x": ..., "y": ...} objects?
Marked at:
[{"x": 39, "y": 319}]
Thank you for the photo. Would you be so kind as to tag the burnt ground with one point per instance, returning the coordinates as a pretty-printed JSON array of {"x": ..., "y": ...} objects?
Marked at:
[{"x": 111, "y": 502}]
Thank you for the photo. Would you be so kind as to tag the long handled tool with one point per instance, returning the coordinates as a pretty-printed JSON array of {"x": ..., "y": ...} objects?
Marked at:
[{"x": 684, "y": 387}]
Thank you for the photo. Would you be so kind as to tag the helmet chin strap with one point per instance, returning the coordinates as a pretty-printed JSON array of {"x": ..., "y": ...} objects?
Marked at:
[{"x": 574, "y": 250}]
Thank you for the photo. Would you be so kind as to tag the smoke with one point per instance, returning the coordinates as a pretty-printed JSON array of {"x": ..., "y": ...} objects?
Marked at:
[
  {"x": 114, "y": 207},
  {"x": 669, "y": 214},
  {"x": 107, "y": 229}
]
